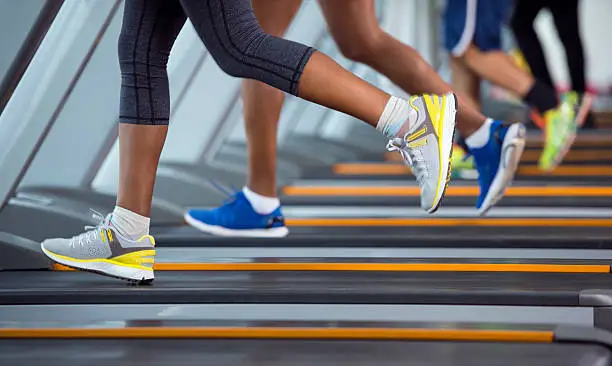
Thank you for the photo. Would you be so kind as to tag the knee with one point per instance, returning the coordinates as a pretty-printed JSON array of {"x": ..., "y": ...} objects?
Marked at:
[
  {"x": 230, "y": 64},
  {"x": 234, "y": 53},
  {"x": 361, "y": 47},
  {"x": 136, "y": 55}
]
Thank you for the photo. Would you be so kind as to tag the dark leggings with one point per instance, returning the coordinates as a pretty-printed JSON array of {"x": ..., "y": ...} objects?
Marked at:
[
  {"x": 565, "y": 14},
  {"x": 229, "y": 31}
]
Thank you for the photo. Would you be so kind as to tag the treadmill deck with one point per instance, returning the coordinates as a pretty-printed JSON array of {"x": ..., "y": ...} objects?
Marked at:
[{"x": 202, "y": 287}]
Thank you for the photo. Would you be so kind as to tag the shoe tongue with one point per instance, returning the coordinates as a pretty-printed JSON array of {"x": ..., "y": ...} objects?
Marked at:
[{"x": 108, "y": 221}]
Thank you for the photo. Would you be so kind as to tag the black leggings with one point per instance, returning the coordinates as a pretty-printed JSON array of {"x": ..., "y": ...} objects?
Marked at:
[
  {"x": 229, "y": 31},
  {"x": 565, "y": 14}
]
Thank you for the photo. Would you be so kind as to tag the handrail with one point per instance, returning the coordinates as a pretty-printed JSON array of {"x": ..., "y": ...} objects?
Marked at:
[
  {"x": 62, "y": 102},
  {"x": 27, "y": 50}
]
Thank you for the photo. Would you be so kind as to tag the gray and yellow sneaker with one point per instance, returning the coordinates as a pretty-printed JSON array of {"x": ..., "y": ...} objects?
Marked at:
[
  {"x": 102, "y": 249},
  {"x": 428, "y": 146}
]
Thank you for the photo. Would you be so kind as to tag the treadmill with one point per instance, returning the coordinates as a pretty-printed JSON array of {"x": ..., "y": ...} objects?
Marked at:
[
  {"x": 324, "y": 343},
  {"x": 341, "y": 298}
]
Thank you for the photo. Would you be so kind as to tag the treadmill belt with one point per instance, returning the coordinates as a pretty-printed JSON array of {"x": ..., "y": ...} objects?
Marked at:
[
  {"x": 447, "y": 232},
  {"x": 449, "y": 201},
  {"x": 188, "y": 237},
  {"x": 177, "y": 287},
  {"x": 184, "y": 352},
  {"x": 397, "y": 236}
]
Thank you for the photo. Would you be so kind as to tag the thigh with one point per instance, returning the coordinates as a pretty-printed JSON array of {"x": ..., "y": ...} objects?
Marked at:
[
  {"x": 151, "y": 26},
  {"x": 351, "y": 21},
  {"x": 465, "y": 82}
]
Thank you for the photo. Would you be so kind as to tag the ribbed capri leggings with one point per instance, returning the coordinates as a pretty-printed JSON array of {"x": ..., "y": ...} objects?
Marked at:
[{"x": 229, "y": 31}]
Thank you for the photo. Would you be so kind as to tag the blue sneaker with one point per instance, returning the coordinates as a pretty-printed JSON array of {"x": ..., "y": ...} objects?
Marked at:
[
  {"x": 238, "y": 218},
  {"x": 497, "y": 162}
]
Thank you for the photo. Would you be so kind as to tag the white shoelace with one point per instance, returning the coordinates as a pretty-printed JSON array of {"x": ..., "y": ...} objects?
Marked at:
[
  {"x": 91, "y": 232},
  {"x": 412, "y": 157}
]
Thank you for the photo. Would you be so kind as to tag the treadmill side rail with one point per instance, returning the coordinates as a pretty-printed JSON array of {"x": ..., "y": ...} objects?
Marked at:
[
  {"x": 579, "y": 334},
  {"x": 595, "y": 298},
  {"x": 20, "y": 253}
]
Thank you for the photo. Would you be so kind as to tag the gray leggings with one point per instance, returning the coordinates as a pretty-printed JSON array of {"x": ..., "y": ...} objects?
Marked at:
[{"x": 229, "y": 31}]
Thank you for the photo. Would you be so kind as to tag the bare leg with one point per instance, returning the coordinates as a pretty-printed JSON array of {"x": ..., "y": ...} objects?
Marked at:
[
  {"x": 466, "y": 83},
  {"x": 139, "y": 150},
  {"x": 498, "y": 68},
  {"x": 356, "y": 30},
  {"x": 263, "y": 103},
  {"x": 343, "y": 91}
]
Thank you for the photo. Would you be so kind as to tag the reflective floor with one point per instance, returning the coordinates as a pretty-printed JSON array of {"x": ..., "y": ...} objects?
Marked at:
[{"x": 295, "y": 353}]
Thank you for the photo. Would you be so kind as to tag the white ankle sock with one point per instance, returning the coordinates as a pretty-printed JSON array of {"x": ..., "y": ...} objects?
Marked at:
[
  {"x": 396, "y": 114},
  {"x": 481, "y": 136},
  {"x": 263, "y": 205},
  {"x": 130, "y": 224}
]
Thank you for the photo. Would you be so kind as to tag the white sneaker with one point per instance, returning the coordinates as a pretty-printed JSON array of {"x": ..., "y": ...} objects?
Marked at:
[
  {"x": 103, "y": 250},
  {"x": 429, "y": 147}
]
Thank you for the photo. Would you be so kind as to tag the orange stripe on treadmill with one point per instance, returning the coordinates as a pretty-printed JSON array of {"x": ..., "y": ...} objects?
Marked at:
[
  {"x": 285, "y": 333},
  {"x": 370, "y": 169},
  {"x": 492, "y": 221},
  {"x": 463, "y": 191},
  {"x": 399, "y": 169},
  {"x": 573, "y": 156},
  {"x": 569, "y": 170},
  {"x": 380, "y": 267},
  {"x": 589, "y": 141}
]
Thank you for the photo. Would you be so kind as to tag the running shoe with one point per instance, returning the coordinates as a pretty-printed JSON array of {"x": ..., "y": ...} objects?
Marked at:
[
  {"x": 497, "y": 162},
  {"x": 428, "y": 148},
  {"x": 581, "y": 105},
  {"x": 462, "y": 159},
  {"x": 463, "y": 164},
  {"x": 102, "y": 249},
  {"x": 238, "y": 218},
  {"x": 562, "y": 124}
]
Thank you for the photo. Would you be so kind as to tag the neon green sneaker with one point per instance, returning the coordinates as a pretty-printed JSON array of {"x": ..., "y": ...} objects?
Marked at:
[
  {"x": 560, "y": 132},
  {"x": 461, "y": 160},
  {"x": 463, "y": 164},
  {"x": 581, "y": 105}
]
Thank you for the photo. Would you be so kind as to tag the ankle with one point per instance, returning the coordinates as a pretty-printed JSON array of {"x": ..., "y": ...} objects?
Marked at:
[
  {"x": 263, "y": 205},
  {"x": 263, "y": 188},
  {"x": 397, "y": 118},
  {"x": 481, "y": 136},
  {"x": 130, "y": 224}
]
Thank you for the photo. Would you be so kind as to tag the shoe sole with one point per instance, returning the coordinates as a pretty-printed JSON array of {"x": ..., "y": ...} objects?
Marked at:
[
  {"x": 277, "y": 232},
  {"x": 512, "y": 150},
  {"x": 132, "y": 275},
  {"x": 448, "y": 136}
]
